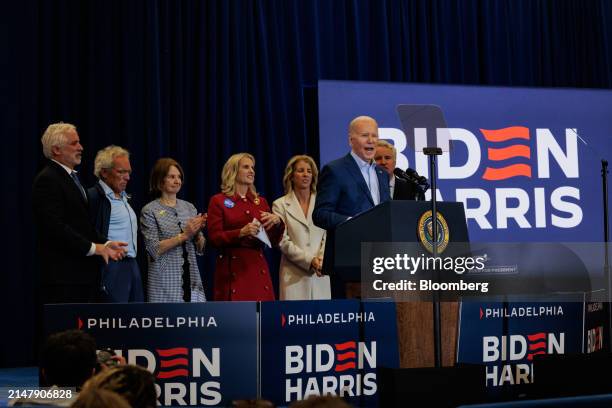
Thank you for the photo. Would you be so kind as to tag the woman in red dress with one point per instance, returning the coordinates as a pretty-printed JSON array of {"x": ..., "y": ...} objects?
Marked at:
[{"x": 235, "y": 217}]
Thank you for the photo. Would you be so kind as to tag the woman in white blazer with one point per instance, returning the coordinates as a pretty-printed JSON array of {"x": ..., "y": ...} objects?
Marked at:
[{"x": 303, "y": 242}]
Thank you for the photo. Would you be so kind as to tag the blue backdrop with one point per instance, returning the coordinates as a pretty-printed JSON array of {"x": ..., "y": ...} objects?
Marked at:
[
  {"x": 525, "y": 161},
  {"x": 198, "y": 80}
]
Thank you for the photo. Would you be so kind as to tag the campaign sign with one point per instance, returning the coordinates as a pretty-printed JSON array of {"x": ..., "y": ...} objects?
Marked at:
[
  {"x": 525, "y": 162},
  {"x": 196, "y": 351},
  {"x": 506, "y": 336},
  {"x": 326, "y": 347},
  {"x": 596, "y": 327}
]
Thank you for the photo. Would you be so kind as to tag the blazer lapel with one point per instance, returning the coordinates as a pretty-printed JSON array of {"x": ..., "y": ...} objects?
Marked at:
[
  {"x": 63, "y": 174},
  {"x": 353, "y": 169},
  {"x": 383, "y": 185},
  {"x": 292, "y": 205},
  {"x": 311, "y": 204}
]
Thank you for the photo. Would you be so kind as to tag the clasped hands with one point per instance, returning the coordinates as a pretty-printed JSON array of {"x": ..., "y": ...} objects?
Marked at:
[
  {"x": 114, "y": 250},
  {"x": 195, "y": 225},
  {"x": 268, "y": 220},
  {"x": 316, "y": 265}
]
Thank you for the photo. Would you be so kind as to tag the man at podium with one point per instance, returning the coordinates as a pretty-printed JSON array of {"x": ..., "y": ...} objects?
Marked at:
[
  {"x": 353, "y": 183},
  {"x": 349, "y": 186}
]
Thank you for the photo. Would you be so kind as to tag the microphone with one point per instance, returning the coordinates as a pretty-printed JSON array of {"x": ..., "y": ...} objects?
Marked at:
[
  {"x": 410, "y": 175},
  {"x": 401, "y": 174},
  {"x": 419, "y": 179}
]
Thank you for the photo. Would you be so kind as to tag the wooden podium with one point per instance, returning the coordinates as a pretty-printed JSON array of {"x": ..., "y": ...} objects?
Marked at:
[{"x": 397, "y": 221}]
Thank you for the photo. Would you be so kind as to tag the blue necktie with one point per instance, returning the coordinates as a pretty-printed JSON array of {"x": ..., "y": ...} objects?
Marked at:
[{"x": 75, "y": 178}]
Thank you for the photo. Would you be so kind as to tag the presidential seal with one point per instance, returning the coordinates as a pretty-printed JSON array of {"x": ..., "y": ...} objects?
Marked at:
[{"x": 425, "y": 232}]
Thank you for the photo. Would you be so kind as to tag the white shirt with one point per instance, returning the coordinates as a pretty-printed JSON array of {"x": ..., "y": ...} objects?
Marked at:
[
  {"x": 391, "y": 185},
  {"x": 368, "y": 171}
]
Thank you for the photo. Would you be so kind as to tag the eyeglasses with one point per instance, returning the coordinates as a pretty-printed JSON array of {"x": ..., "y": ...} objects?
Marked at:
[{"x": 123, "y": 172}]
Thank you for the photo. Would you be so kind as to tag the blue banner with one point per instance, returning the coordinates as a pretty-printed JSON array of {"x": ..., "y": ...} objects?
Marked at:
[
  {"x": 505, "y": 337},
  {"x": 196, "y": 351},
  {"x": 326, "y": 347},
  {"x": 525, "y": 161}
]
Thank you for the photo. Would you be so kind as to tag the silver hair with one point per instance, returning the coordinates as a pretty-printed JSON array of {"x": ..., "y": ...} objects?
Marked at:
[
  {"x": 384, "y": 143},
  {"x": 55, "y": 135},
  {"x": 106, "y": 156}
]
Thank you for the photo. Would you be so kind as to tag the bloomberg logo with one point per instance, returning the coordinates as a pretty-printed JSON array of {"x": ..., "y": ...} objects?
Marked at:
[{"x": 498, "y": 155}]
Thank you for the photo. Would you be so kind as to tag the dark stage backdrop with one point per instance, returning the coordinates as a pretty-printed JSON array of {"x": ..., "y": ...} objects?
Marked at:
[{"x": 199, "y": 80}]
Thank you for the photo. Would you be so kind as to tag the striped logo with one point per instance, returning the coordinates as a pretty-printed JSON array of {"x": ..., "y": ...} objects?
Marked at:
[
  {"x": 536, "y": 344},
  {"x": 345, "y": 356},
  {"x": 173, "y": 362},
  {"x": 500, "y": 151}
]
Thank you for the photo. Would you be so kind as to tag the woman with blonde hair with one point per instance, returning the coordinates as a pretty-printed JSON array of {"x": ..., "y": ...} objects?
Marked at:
[
  {"x": 239, "y": 220},
  {"x": 303, "y": 242}
]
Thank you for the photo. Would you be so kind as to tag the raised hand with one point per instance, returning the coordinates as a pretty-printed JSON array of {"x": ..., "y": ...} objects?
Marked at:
[{"x": 193, "y": 226}]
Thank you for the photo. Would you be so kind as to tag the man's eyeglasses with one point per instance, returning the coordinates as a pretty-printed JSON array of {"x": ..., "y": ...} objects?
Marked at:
[{"x": 123, "y": 172}]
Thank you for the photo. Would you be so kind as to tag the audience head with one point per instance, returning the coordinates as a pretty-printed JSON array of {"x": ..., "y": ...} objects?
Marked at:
[
  {"x": 239, "y": 169},
  {"x": 99, "y": 398},
  {"x": 386, "y": 156},
  {"x": 252, "y": 403},
  {"x": 112, "y": 165},
  {"x": 363, "y": 135},
  {"x": 321, "y": 401},
  {"x": 166, "y": 177},
  {"x": 61, "y": 142},
  {"x": 68, "y": 358},
  {"x": 132, "y": 382},
  {"x": 301, "y": 172}
]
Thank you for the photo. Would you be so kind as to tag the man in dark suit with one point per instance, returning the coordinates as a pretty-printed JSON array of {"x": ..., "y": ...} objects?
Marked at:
[
  {"x": 353, "y": 183},
  {"x": 348, "y": 186},
  {"x": 69, "y": 249},
  {"x": 386, "y": 157}
]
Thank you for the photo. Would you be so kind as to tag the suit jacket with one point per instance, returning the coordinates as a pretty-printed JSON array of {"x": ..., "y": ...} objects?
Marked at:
[
  {"x": 99, "y": 209},
  {"x": 64, "y": 232},
  {"x": 404, "y": 190},
  {"x": 301, "y": 242},
  {"x": 343, "y": 193}
]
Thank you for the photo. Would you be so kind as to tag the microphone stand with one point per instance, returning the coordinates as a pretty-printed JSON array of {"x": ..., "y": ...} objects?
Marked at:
[{"x": 432, "y": 152}]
